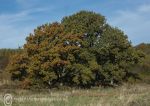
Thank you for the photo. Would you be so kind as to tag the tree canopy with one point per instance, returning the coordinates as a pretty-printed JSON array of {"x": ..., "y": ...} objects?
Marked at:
[{"x": 81, "y": 51}]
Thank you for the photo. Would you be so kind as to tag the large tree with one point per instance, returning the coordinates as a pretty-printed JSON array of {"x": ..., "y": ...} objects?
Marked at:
[{"x": 82, "y": 51}]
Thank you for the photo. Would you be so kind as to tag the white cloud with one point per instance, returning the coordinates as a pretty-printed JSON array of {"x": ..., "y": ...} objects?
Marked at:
[
  {"x": 23, "y": 15},
  {"x": 144, "y": 8},
  {"x": 12, "y": 27},
  {"x": 135, "y": 23},
  {"x": 11, "y": 36},
  {"x": 10, "y": 18},
  {"x": 27, "y": 3}
]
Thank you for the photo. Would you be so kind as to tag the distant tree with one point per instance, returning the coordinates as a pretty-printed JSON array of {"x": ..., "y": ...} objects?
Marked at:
[
  {"x": 144, "y": 47},
  {"x": 5, "y": 55},
  {"x": 143, "y": 68}
]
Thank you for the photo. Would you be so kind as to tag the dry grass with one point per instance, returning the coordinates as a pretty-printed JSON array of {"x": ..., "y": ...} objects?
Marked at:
[{"x": 127, "y": 95}]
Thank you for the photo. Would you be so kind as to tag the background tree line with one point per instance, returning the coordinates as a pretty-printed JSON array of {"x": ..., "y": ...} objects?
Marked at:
[
  {"x": 143, "y": 69},
  {"x": 5, "y": 55}
]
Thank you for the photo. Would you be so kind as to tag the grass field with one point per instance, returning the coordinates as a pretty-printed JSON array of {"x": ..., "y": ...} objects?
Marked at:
[{"x": 126, "y": 95}]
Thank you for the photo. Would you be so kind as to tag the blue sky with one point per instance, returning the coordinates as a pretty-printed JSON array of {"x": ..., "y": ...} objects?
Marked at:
[{"x": 18, "y": 18}]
